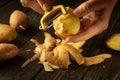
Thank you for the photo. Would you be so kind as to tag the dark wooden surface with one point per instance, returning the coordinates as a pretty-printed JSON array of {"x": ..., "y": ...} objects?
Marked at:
[{"x": 11, "y": 69}]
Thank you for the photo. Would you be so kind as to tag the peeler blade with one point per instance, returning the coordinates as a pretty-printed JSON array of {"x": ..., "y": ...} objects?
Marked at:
[{"x": 49, "y": 22}]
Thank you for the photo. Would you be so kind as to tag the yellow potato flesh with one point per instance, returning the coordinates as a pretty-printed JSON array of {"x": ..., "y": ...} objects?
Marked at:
[
  {"x": 66, "y": 24},
  {"x": 114, "y": 42},
  {"x": 7, "y": 34}
]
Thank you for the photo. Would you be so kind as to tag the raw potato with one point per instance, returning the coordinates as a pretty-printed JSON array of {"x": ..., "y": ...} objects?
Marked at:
[
  {"x": 66, "y": 24},
  {"x": 7, "y": 34},
  {"x": 19, "y": 20},
  {"x": 114, "y": 42},
  {"x": 8, "y": 51}
]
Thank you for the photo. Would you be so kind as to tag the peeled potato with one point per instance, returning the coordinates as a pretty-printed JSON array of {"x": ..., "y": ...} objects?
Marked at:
[
  {"x": 7, "y": 34},
  {"x": 66, "y": 24},
  {"x": 19, "y": 20},
  {"x": 8, "y": 51},
  {"x": 114, "y": 42}
]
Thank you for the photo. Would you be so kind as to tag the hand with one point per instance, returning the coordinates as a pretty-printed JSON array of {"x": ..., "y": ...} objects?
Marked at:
[
  {"x": 38, "y": 5},
  {"x": 95, "y": 18}
]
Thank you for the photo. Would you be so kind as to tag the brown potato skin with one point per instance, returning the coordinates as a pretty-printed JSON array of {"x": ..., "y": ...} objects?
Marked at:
[
  {"x": 8, "y": 51},
  {"x": 18, "y": 20},
  {"x": 7, "y": 34}
]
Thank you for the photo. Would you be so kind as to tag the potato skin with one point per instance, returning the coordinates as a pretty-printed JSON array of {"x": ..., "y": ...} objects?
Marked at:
[
  {"x": 8, "y": 51},
  {"x": 7, "y": 34}
]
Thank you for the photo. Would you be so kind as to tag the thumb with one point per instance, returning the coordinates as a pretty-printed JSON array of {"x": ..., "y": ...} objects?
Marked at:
[{"x": 88, "y": 6}]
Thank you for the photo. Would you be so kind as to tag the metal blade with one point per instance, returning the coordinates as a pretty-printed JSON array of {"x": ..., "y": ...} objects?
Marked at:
[{"x": 49, "y": 22}]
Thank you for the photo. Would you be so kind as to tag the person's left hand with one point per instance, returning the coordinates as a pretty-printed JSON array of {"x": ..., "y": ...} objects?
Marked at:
[{"x": 95, "y": 18}]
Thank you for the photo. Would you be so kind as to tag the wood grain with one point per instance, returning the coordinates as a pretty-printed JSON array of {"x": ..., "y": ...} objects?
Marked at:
[{"x": 11, "y": 69}]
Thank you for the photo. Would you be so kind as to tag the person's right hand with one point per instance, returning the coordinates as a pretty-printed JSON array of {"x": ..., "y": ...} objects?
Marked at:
[{"x": 38, "y": 5}]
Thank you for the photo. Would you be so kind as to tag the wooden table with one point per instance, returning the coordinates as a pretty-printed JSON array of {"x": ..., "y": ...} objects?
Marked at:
[{"x": 11, "y": 69}]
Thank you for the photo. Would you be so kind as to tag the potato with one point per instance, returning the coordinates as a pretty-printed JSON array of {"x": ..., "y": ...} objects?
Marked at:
[
  {"x": 19, "y": 20},
  {"x": 8, "y": 51},
  {"x": 7, "y": 34},
  {"x": 66, "y": 24},
  {"x": 113, "y": 42}
]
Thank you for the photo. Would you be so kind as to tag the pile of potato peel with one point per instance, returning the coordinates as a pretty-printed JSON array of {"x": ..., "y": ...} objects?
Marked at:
[{"x": 56, "y": 53}]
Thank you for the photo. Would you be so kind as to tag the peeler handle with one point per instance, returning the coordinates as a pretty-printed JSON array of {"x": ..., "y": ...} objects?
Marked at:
[{"x": 54, "y": 10}]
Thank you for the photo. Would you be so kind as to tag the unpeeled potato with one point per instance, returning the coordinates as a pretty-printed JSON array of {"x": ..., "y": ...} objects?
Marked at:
[
  {"x": 7, "y": 34},
  {"x": 8, "y": 51},
  {"x": 114, "y": 42},
  {"x": 19, "y": 20}
]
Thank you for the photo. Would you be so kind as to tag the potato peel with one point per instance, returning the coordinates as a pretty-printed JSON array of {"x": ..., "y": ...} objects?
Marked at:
[
  {"x": 96, "y": 59},
  {"x": 62, "y": 55},
  {"x": 59, "y": 53},
  {"x": 74, "y": 53}
]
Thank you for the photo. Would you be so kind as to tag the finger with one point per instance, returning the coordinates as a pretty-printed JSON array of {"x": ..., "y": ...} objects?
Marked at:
[
  {"x": 45, "y": 4},
  {"x": 37, "y": 8},
  {"x": 33, "y": 5},
  {"x": 87, "y": 34},
  {"x": 88, "y": 6}
]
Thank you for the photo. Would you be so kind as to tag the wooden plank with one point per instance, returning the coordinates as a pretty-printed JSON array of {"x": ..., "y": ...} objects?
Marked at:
[
  {"x": 11, "y": 69},
  {"x": 6, "y": 10},
  {"x": 4, "y": 2}
]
